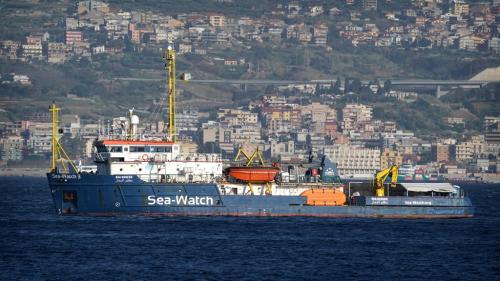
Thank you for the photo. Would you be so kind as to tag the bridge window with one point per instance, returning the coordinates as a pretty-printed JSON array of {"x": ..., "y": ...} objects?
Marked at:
[
  {"x": 137, "y": 149},
  {"x": 161, "y": 149},
  {"x": 115, "y": 149}
]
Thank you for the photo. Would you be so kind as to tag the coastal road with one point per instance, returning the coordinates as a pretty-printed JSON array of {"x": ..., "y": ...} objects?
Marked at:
[{"x": 396, "y": 82}]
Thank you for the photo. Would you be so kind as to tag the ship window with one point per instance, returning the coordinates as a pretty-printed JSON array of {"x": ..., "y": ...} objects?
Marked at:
[
  {"x": 137, "y": 149},
  {"x": 101, "y": 149},
  {"x": 161, "y": 149},
  {"x": 158, "y": 149},
  {"x": 125, "y": 149},
  {"x": 115, "y": 149}
]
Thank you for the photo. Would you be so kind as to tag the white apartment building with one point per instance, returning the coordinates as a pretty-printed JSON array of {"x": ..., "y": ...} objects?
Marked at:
[
  {"x": 40, "y": 138},
  {"x": 188, "y": 120},
  {"x": 354, "y": 162},
  {"x": 469, "y": 149}
]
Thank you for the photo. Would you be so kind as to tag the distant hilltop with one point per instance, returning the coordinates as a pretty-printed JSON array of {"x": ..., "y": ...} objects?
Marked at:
[{"x": 492, "y": 73}]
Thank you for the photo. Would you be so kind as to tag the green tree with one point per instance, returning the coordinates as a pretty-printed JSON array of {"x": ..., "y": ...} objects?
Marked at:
[
  {"x": 317, "y": 91},
  {"x": 336, "y": 87},
  {"x": 387, "y": 86},
  {"x": 347, "y": 85}
]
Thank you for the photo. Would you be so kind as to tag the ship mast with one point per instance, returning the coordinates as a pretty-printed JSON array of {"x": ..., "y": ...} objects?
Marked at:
[
  {"x": 58, "y": 153},
  {"x": 170, "y": 67}
]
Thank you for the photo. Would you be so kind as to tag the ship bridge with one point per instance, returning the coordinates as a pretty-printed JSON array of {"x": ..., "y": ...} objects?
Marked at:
[{"x": 135, "y": 150}]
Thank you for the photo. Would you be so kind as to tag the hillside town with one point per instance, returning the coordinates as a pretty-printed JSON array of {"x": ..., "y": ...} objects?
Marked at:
[
  {"x": 285, "y": 131},
  {"x": 97, "y": 27}
]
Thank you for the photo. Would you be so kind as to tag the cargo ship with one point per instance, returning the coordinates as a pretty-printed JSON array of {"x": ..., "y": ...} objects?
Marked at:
[
  {"x": 154, "y": 177},
  {"x": 152, "y": 182}
]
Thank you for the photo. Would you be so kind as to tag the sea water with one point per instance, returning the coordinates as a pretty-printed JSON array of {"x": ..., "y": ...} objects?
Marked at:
[{"x": 37, "y": 244}]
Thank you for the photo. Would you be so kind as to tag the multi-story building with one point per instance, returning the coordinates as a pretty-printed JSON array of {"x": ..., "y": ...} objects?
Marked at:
[
  {"x": 317, "y": 112},
  {"x": 274, "y": 101},
  {"x": 281, "y": 119},
  {"x": 134, "y": 35},
  {"x": 316, "y": 117},
  {"x": 494, "y": 44},
  {"x": 230, "y": 137},
  {"x": 320, "y": 34},
  {"x": 73, "y": 37},
  {"x": 10, "y": 48},
  {"x": 71, "y": 23},
  {"x": 187, "y": 120},
  {"x": 99, "y": 6},
  {"x": 93, "y": 5},
  {"x": 399, "y": 140},
  {"x": 33, "y": 47},
  {"x": 56, "y": 52},
  {"x": 402, "y": 95},
  {"x": 210, "y": 132},
  {"x": 217, "y": 20},
  {"x": 459, "y": 8},
  {"x": 454, "y": 121},
  {"x": 284, "y": 150},
  {"x": 470, "y": 149},
  {"x": 237, "y": 117},
  {"x": 492, "y": 138},
  {"x": 356, "y": 116},
  {"x": 11, "y": 148},
  {"x": 316, "y": 11},
  {"x": 185, "y": 48},
  {"x": 443, "y": 153},
  {"x": 470, "y": 42},
  {"x": 390, "y": 157},
  {"x": 21, "y": 79},
  {"x": 369, "y": 5},
  {"x": 13, "y": 128},
  {"x": 490, "y": 120},
  {"x": 40, "y": 138},
  {"x": 354, "y": 162}
]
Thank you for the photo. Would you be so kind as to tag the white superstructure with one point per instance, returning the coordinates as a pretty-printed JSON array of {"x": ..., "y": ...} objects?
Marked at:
[{"x": 155, "y": 161}]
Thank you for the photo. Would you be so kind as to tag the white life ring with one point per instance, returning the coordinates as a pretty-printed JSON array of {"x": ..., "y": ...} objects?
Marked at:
[{"x": 145, "y": 157}]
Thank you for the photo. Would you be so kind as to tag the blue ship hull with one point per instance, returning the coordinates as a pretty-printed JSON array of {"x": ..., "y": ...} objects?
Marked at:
[{"x": 88, "y": 194}]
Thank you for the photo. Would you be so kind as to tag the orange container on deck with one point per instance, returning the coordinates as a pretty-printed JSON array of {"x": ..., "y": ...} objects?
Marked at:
[{"x": 324, "y": 197}]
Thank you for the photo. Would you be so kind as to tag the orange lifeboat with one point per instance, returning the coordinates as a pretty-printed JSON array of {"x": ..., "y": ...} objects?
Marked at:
[{"x": 253, "y": 174}]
